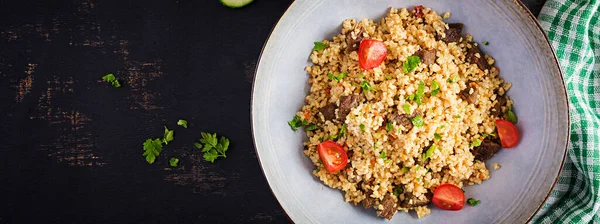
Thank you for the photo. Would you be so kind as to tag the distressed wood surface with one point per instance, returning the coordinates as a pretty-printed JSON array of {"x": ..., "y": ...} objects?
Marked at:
[{"x": 72, "y": 145}]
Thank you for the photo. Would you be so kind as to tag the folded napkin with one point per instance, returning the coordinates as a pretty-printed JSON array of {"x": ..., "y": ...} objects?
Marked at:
[{"x": 573, "y": 27}]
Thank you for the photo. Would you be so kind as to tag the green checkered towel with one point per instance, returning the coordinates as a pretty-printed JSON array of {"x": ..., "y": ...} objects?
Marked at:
[{"x": 573, "y": 27}]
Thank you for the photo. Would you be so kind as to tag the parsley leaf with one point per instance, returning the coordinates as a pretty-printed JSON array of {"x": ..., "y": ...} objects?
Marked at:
[
  {"x": 388, "y": 160},
  {"x": 404, "y": 169},
  {"x": 182, "y": 123},
  {"x": 437, "y": 136},
  {"x": 443, "y": 126},
  {"x": 168, "y": 136},
  {"x": 362, "y": 127},
  {"x": 457, "y": 116},
  {"x": 485, "y": 43},
  {"x": 428, "y": 153},
  {"x": 319, "y": 46},
  {"x": 387, "y": 77},
  {"x": 511, "y": 116},
  {"x": 476, "y": 143},
  {"x": 418, "y": 121},
  {"x": 406, "y": 108},
  {"x": 473, "y": 201},
  {"x": 213, "y": 148},
  {"x": 382, "y": 155},
  {"x": 152, "y": 149},
  {"x": 343, "y": 130},
  {"x": 366, "y": 86},
  {"x": 173, "y": 162},
  {"x": 398, "y": 190},
  {"x": 296, "y": 123},
  {"x": 110, "y": 78},
  {"x": 411, "y": 64},
  {"x": 389, "y": 126},
  {"x": 310, "y": 127},
  {"x": 419, "y": 94},
  {"x": 453, "y": 79},
  {"x": 360, "y": 76},
  {"x": 338, "y": 77},
  {"x": 435, "y": 88}
]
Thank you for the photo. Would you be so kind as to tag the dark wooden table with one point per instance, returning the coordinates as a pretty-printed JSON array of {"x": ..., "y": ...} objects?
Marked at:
[{"x": 71, "y": 145}]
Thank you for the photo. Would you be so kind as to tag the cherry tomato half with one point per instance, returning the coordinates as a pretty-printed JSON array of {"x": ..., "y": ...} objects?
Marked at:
[
  {"x": 371, "y": 53},
  {"x": 509, "y": 136},
  {"x": 332, "y": 155},
  {"x": 448, "y": 197}
]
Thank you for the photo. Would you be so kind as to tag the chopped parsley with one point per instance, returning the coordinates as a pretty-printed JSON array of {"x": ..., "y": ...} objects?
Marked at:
[
  {"x": 476, "y": 143},
  {"x": 362, "y": 151},
  {"x": 366, "y": 86},
  {"x": 435, "y": 88},
  {"x": 343, "y": 130},
  {"x": 388, "y": 160},
  {"x": 152, "y": 149},
  {"x": 457, "y": 116},
  {"x": 297, "y": 122},
  {"x": 362, "y": 127},
  {"x": 173, "y": 162},
  {"x": 473, "y": 201},
  {"x": 418, "y": 96},
  {"x": 182, "y": 123},
  {"x": 168, "y": 136},
  {"x": 485, "y": 43},
  {"x": 428, "y": 153},
  {"x": 437, "y": 136},
  {"x": 404, "y": 169},
  {"x": 387, "y": 77},
  {"x": 110, "y": 78},
  {"x": 417, "y": 168},
  {"x": 398, "y": 191},
  {"x": 443, "y": 126},
  {"x": 453, "y": 79},
  {"x": 382, "y": 155},
  {"x": 213, "y": 148},
  {"x": 338, "y": 77},
  {"x": 389, "y": 126},
  {"x": 406, "y": 108},
  {"x": 511, "y": 116},
  {"x": 411, "y": 64},
  {"x": 319, "y": 46},
  {"x": 418, "y": 121},
  {"x": 361, "y": 76},
  {"x": 310, "y": 127},
  {"x": 490, "y": 134}
]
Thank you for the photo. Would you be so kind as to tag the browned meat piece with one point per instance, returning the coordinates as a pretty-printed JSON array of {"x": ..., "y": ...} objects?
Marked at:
[
  {"x": 427, "y": 56},
  {"x": 328, "y": 111},
  {"x": 486, "y": 150},
  {"x": 353, "y": 38},
  {"x": 454, "y": 32},
  {"x": 412, "y": 201},
  {"x": 368, "y": 202},
  {"x": 419, "y": 11},
  {"x": 473, "y": 59},
  {"x": 497, "y": 109},
  {"x": 401, "y": 119},
  {"x": 470, "y": 93},
  {"x": 347, "y": 103},
  {"x": 389, "y": 207}
]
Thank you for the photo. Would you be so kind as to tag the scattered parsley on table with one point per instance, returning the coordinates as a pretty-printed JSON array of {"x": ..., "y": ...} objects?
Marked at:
[
  {"x": 182, "y": 123},
  {"x": 213, "y": 148},
  {"x": 110, "y": 78}
]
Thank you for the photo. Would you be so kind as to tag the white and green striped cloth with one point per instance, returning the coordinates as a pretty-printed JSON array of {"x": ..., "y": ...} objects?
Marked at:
[{"x": 573, "y": 27}]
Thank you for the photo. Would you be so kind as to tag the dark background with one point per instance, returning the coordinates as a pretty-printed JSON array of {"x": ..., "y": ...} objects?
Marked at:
[{"x": 71, "y": 145}]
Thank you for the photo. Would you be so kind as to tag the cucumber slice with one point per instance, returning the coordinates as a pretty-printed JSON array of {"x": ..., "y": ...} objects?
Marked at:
[{"x": 236, "y": 3}]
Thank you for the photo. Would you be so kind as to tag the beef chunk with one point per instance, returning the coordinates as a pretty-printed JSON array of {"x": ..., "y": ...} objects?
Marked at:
[
  {"x": 328, "y": 111},
  {"x": 427, "y": 56},
  {"x": 401, "y": 119},
  {"x": 353, "y": 38},
  {"x": 347, "y": 103},
  {"x": 497, "y": 109},
  {"x": 454, "y": 32},
  {"x": 412, "y": 201},
  {"x": 486, "y": 150},
  {"x": 389, "y": 207},
  {"x": 368, "y": 202},
  {"x": 470, "y": 93},
  {"x": 473, "y": 59}
]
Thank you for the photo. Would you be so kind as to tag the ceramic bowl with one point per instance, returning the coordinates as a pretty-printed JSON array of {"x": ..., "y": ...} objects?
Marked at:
[{"x": 513, "y": 194}]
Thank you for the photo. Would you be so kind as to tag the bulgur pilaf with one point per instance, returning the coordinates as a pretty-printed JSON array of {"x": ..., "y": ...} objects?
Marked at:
[{"x": 422, "y": 118}]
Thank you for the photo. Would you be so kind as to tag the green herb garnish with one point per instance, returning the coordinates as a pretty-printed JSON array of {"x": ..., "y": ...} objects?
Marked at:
[
  {"x": 182, "y": 123},
  {"x": 428, "y": 153},
  {"x": 361, "y": 76},
  {"x": 435, "y": 88},
  {"x": 437, "y": 136},
  {"x": 310, "y": 127},
  {"x": 382, "y": 155},
  {"x": 388, "y": 160},
  {"x": 485, "y": 43},
  {"x": 338, "y": 77},
  {"x": 511, "y": 116},
  {"x": 418, "y": 121},
  {"x": 213, "y": 148},
  {"x": 476, "y": 143},
  {"x": 173, "y": 162},
  {"x": 362, "y": 127},
  {"x": 389, "y": 126},
  {"x": 404, "y": 170},
  {"x": 457, "y": 116},
  {"x": 366, "y": 86},
  {"x": 398, "y": 190},
  {"x": 110, "y": 78},
  {"x": 152, "y": 149},
  {"x": 297, "y": 122},
  {"x": 168, "y": 136},
  {"x": 411, "y": 64},
  {"x": 406, "y": 108},
  {"x": 343, "y": 130},
  {"x": 472, "y": 201},
  {"x": 453, "y": 79},
  {"x": 319, "y": 46},
  {"x": 387, "y": 77}
]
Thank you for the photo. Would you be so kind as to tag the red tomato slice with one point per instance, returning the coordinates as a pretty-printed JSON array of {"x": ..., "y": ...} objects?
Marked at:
[
  {"x": 448, "y": 197},
  {"x": 332, "y": 155},
  {"x": 508, "y": 133},
  {"x": 371, "y": 53}
]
